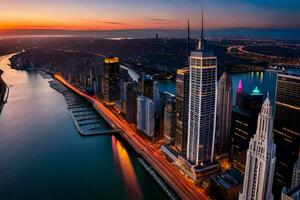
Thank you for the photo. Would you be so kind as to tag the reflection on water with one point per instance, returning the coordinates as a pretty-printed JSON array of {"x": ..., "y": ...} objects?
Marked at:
[{"x": 122, "y": 160}]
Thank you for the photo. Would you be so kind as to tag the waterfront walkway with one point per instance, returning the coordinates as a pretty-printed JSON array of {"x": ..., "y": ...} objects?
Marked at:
[{"x": 184, "y": 187}]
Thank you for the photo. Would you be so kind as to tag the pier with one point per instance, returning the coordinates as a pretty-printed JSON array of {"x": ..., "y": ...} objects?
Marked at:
[{"x": 86, "y": 119}]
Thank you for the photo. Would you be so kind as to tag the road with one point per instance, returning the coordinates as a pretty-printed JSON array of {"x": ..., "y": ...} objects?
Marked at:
[{"x": 184, "y": 188}]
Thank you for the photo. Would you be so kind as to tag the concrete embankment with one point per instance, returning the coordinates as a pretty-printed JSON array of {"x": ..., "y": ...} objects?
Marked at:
[{"x": 85, "y": 118}]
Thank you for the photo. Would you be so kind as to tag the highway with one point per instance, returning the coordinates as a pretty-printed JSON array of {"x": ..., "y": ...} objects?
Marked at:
[{"x": 183, "y": 187}]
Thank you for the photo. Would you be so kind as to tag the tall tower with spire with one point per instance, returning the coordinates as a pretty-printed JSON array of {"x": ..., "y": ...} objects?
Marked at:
[
  {"x": 202, "y": 105},
  {"x": 224, "y": 109},
  {"x": 261, "y": 158}
]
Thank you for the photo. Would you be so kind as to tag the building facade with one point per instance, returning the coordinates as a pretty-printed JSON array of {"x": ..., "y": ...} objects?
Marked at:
[
  {"x": 224, "y": 109},
  {"x": 111, "y": 80},
  {"x": 145, "y": 115},
  {"x": 202, "y": 106},
  {"x": 145, "y": 85},
  {"x": 243, "y": 127},
  {"x": 260, "y": 164},
  {"x": 286, "y": 129},
  {"x": 131, "y": 103},
  {"x": 169, "y": 119},
  {"x": 182, "y": 107}
]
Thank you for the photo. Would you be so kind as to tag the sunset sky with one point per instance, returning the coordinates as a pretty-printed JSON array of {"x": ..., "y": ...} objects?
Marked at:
[{"x": 147, "y": 14}]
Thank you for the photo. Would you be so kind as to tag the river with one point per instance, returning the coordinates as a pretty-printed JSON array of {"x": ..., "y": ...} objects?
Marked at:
[{"x": 42, "y": 156}]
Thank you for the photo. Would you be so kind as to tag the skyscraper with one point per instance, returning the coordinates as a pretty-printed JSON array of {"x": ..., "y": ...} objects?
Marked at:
[
  {"x": 243, "y": 127},
  {"x": 111, "y": 79},
  {"x": 145, "y": 85},
  {"x": 169, "y": 119},
  {"x": 286, "y": 129},
  {"x": 131, "y": 103},
  {"x": 261, "y": 158},
  {"x": 224, "y": 109},
  {"x": 202, "y": 105},
  {"x": 182, "y": 109},
  {"x": 145, "y": 115},
  {"x": 124, "y": 78}
]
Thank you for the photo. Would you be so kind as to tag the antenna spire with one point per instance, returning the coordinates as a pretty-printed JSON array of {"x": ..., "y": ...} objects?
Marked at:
[
  {"x": 201, "y": 44},
  {"x": 202, "y": 27},
  {"x": 188, "y": 36}
]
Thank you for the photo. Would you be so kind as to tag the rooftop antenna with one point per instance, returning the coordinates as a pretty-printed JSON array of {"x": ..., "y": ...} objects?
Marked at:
[
  {"x": 188, "y": 36},
  {"x": 201, "y": 41}
]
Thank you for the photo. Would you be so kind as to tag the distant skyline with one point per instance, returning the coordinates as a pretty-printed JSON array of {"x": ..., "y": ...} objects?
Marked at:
[{"x": 142, "y": 14}]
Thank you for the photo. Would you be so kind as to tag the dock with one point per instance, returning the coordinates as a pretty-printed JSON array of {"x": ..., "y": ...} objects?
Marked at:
[{"x": 86, "y": 119}]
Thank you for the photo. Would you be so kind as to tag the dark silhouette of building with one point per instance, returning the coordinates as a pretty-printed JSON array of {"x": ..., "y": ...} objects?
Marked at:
[
  {"x": 182, "y": 103},
  {"x": 224, "y": 109},
  {"x": 111, "y": 79},
  {"x": 124, "y": 79},
  {"x": 169, "y": 119},
  {"x": 145, "y": 85},
  {"x": 286, "y": 129},
  {"x": 131, "y": 103},
  {"x": 243, "y": 127}
]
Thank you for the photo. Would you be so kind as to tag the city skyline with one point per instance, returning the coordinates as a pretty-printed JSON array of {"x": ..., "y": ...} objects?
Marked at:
[
  {"x": 132, "y": 14},
  {"x": 107, "y": 98}
]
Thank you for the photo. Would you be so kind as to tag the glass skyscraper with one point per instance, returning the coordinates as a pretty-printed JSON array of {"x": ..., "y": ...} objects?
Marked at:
[{"x": 286, "y": 129}]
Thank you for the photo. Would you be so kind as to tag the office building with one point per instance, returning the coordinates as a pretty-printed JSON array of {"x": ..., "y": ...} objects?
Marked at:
[
  {"x": 243, "y": 127},
  {"x": 182, "y": 107},
  {"x": 202, "y": 106},
  {"x": 286, "y": 129},
  {"x": 111, "y": 80},
  {"x": 169, "y": 119},
  {"x": 145, "y": 115},
  {"x": 131, "y": 103},
  {"x": 145, "y": 85},
  {"x": 261, "y": 158},
  {"x": 124, "y": 79},
  {"x": 224, "y": 109}
]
